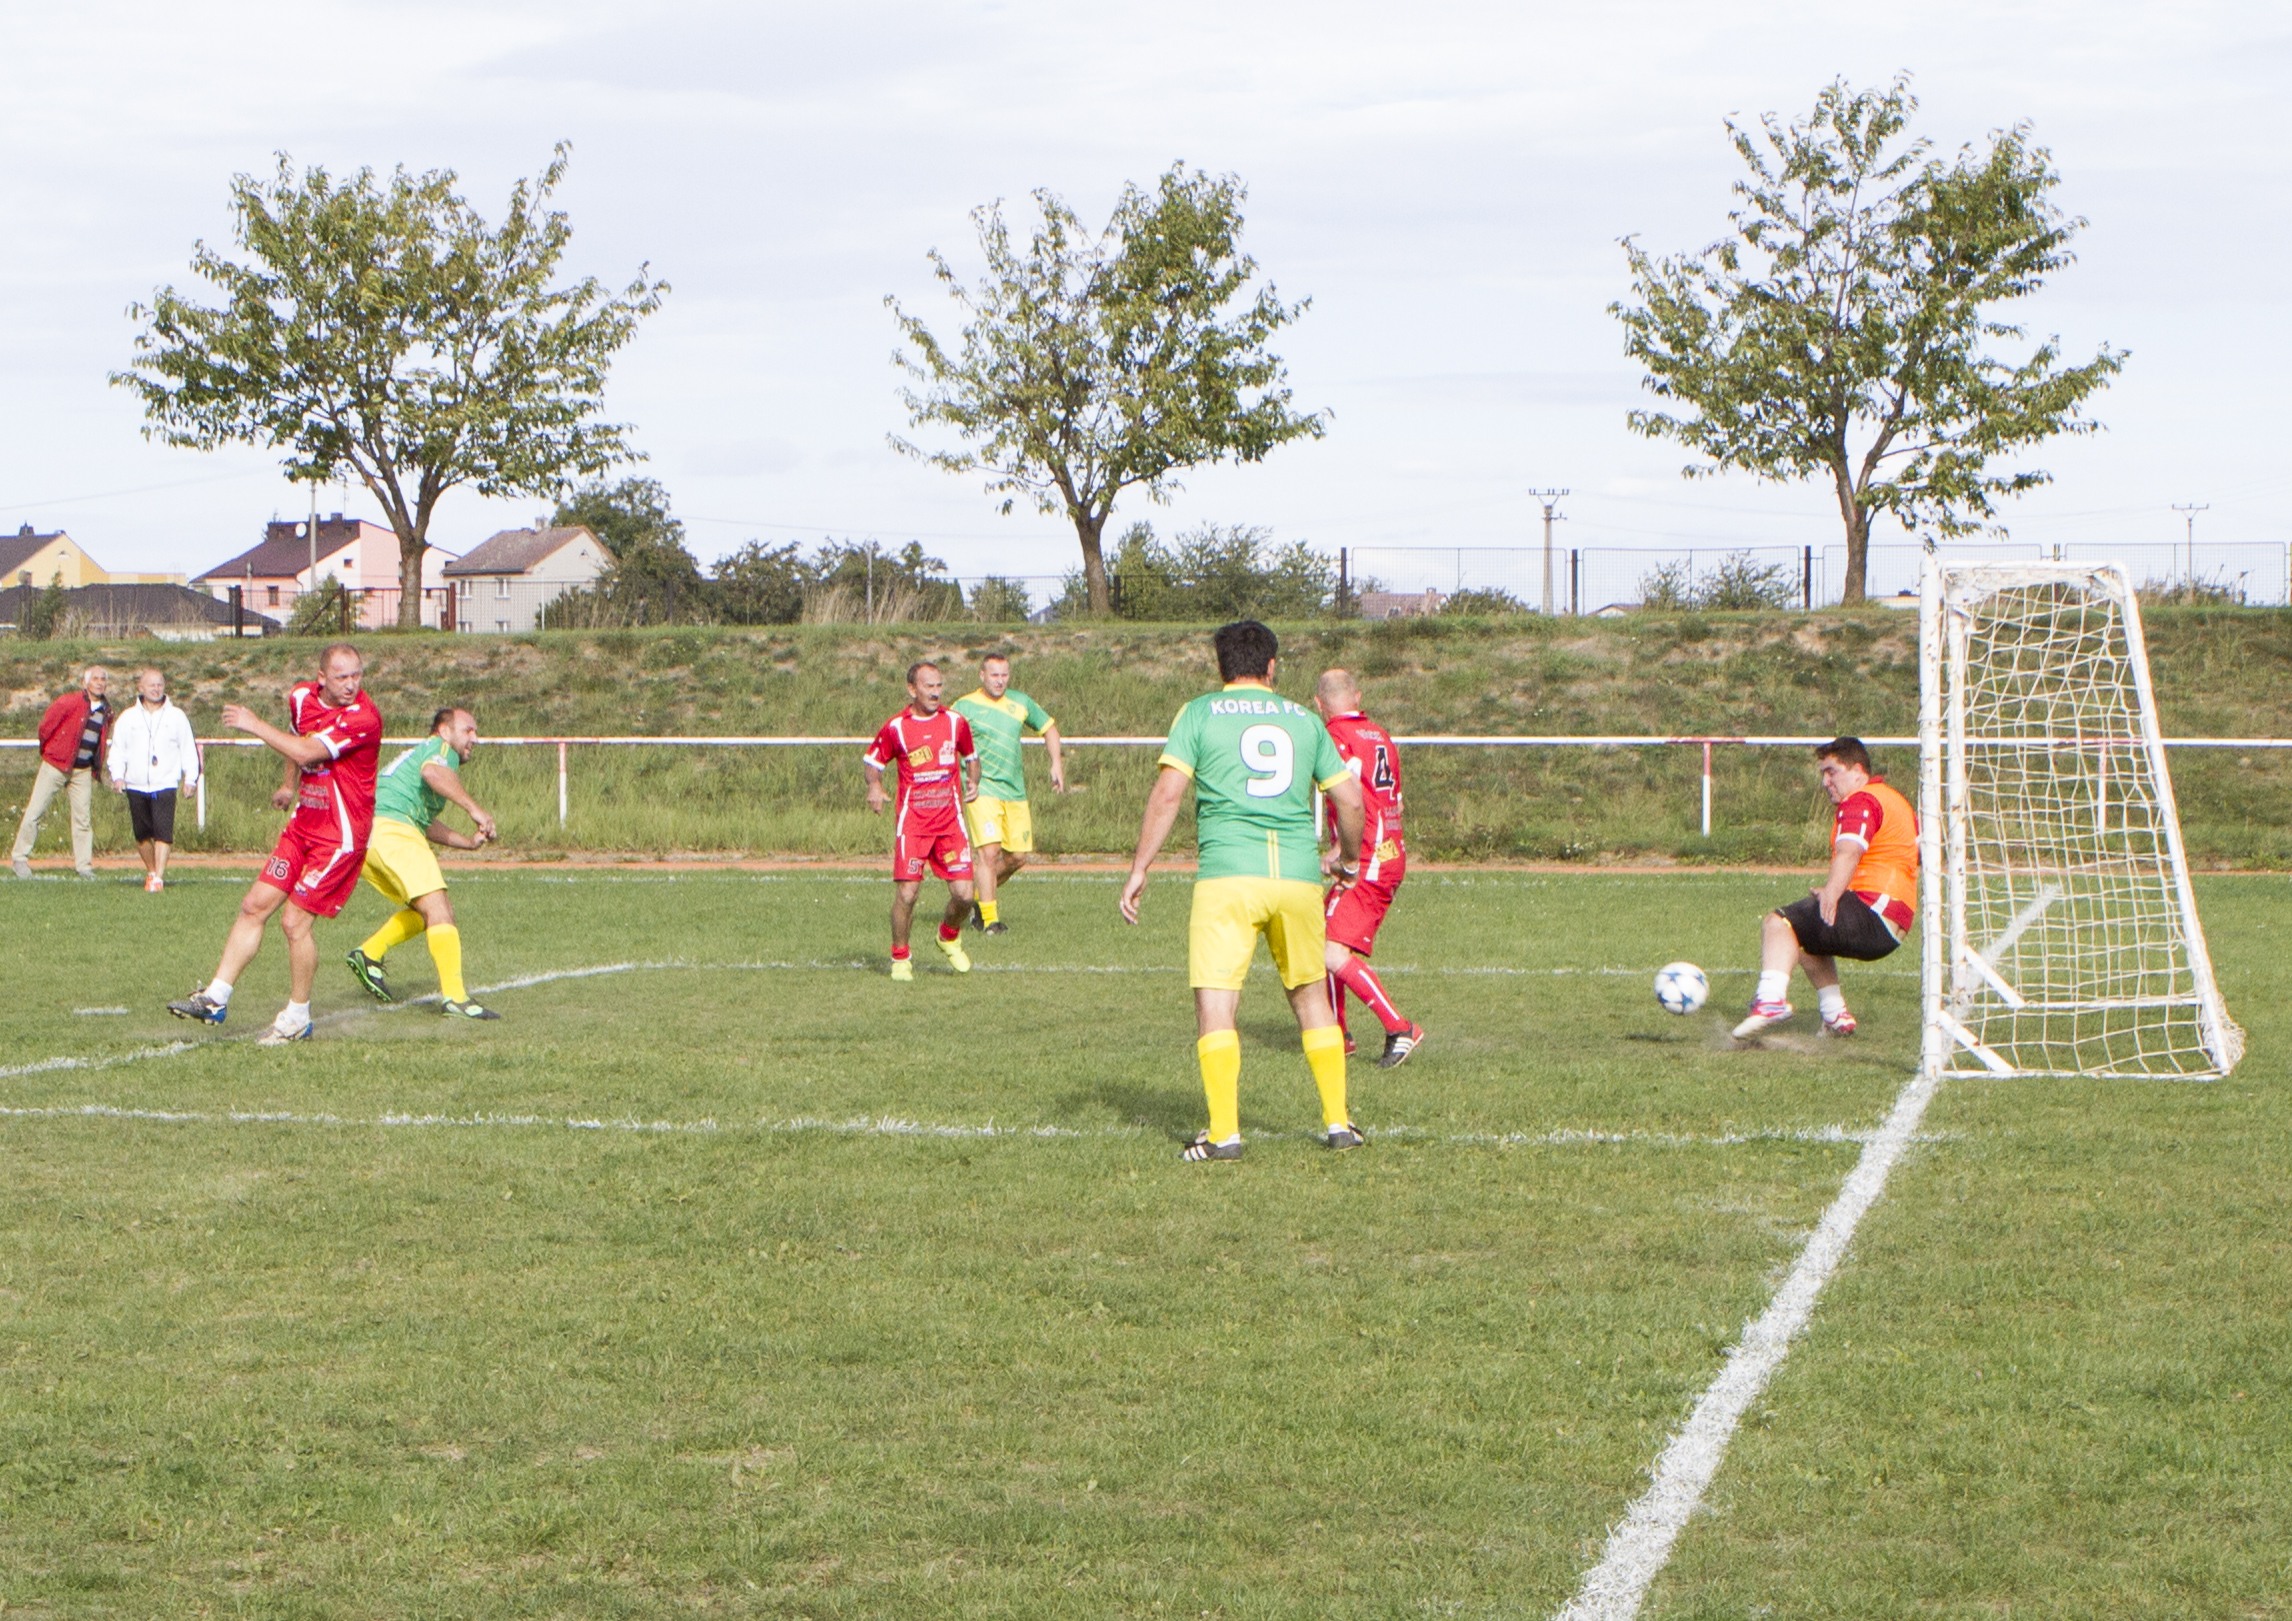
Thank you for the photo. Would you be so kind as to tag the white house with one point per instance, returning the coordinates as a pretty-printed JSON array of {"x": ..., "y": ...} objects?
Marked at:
[{"x": 504, "y": 584}]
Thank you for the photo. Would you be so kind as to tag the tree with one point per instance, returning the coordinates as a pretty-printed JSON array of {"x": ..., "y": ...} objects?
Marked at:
[
  {"x": 44, "y": 615},
  {"x": 1215, "y": 573},
  {"x": 384, "y": 328},
  {"x": 762, "y": 585},
  {"x": 654, "y": 579},
  {"x": 1091, "y": 364},
  {"x": 1846, "y": 329}
]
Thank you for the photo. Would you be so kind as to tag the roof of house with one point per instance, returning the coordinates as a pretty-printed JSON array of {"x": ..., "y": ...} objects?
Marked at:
[
  {"x": 129, "y": 605},
  {"x": 513, "y": 551},
  {"x": 285, "y": 550},
  {"x": 17, "y": 549}
]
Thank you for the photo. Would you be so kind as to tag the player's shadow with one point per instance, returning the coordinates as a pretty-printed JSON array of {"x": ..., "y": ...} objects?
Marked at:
[{"x": 1172, "y": 1109}]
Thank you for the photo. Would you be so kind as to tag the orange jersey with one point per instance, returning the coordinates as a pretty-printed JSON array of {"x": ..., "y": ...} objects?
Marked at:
[{"x": 1883, "y": 824}]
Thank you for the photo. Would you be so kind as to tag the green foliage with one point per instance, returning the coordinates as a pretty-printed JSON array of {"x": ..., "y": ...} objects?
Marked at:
[
  {"x": 762, "y": 585},
  {"x": 1091, "y": 364},
  {"x": 1846, "y": 331},
  {"x": 382, "y": 328},
  {"x": 654, "y": 579},
  {"x": 319, "y": 612},
  {"x": 44, "y": 617},
  {"x": 996, "y": 601},
  {"x": 1216, "y": 573},
  {"x": 1669, "y": 587},
  {"x": 864, "y": 584},
  {"x": 1739, "y": 581},
  {"x": 1482, "y": 603}
]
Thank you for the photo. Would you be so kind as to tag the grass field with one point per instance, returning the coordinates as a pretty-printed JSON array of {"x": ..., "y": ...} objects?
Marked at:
[
  {"x": 2219, "y": 673},
  {"x": 732, "y": 1279}
]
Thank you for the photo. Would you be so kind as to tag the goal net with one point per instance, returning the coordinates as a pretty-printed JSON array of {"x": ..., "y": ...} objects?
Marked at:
[{"x": 2061, "y": 932}]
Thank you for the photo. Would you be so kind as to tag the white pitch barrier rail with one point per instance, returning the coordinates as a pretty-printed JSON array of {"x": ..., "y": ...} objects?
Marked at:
[{"x": 565, "y": 745}]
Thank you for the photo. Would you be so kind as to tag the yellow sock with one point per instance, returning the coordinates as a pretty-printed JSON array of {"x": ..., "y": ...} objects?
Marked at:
[
  {"x": 398, "y": 928},
  {"x": 1220, "y": 1055},
  {"x": 988, "y": 911},
  {"x": 446, "y": 952},
  {"x": 1325, "y": 1052}
]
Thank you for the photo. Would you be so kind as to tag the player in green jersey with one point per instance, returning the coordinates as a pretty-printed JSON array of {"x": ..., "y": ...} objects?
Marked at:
[
  {"x": 1002, "y": 827},
  {"x": 1254, "y": 759},
  {"x": 409, "y": 798}
]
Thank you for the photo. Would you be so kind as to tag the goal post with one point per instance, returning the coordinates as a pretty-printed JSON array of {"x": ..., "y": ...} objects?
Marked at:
[{"x": 2061, "y": 934}]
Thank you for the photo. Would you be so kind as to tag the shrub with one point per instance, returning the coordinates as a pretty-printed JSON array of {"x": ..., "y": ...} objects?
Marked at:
[
  {"x": 44, "y": 617},
  {"x": 1217, "y": 572},
  {"x": 1482, "y": 603},
  {"x": 997, "y": 601},
  {"x": 1740, "y": 581}
]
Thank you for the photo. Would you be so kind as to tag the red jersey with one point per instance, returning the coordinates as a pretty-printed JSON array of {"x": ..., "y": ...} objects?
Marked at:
[
  {"x": 1368, "y": 752},
  {"x": 930, "y": 752},
  {"x": 1883, "y": 824},
  {"x": 337, "y": 793}
]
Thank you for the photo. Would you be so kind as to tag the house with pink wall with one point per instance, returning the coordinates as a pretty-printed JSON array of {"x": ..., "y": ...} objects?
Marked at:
[{"x": 275, "y": 574}]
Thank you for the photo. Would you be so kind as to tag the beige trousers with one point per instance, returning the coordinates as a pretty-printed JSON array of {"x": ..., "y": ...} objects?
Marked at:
[{"x": 45, "y": 787}]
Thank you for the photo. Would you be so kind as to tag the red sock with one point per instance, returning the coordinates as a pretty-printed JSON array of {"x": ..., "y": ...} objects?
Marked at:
[
  {"x": 1337, "y": 1000},
  {"x": 948, "y": 931},
  {"x": 1363, "y": 983},
  {"x": 899, "y": 954}
]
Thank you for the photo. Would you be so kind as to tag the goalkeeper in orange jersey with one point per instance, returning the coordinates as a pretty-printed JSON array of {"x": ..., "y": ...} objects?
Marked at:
[{"x": 1864, "y": 907}]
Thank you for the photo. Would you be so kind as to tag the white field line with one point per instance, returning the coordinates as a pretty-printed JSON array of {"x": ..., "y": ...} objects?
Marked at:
[
  {"x": 879, "y": 1126},
  {"x": 175, "y": 1049},
  {"x": 1640, "y": 1546}
]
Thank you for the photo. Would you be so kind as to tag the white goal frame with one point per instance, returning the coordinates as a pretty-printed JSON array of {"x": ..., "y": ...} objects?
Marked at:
[{"x": 2058, "y": 844}]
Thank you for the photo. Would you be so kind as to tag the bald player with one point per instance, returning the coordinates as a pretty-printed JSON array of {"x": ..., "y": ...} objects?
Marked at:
[{"x": 1356, "y": 910}]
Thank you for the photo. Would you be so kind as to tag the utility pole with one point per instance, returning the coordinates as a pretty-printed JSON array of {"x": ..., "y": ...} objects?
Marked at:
[
  {"x": 2188, "y": 511},
  {"x": 1550, "y": 501}
]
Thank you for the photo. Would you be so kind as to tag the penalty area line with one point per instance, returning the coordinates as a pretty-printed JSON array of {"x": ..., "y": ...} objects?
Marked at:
[{"x": 1640, "y": 1545}]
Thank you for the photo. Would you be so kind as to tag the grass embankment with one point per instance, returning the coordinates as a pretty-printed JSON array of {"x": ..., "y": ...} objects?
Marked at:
[{"x": 2218, "y": 672}]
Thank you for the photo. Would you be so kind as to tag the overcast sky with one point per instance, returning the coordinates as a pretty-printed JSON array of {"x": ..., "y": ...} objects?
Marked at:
[{"x": 1446, "y": 182}]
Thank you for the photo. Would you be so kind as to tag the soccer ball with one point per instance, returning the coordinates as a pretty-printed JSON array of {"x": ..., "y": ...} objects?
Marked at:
[{"x": 1680, "y": 987}]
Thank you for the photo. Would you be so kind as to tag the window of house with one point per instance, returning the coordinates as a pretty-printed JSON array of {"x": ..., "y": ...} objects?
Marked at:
[
  {"x": 273, "y": 600},
  {"x": 501, "y": 587}
]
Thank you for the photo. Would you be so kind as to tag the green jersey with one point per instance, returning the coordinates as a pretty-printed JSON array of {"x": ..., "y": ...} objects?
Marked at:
[
  {"x": 402, "y": 795},
  {"x": 1255, "y": 758},
  {"x": 997, "y": 725}
]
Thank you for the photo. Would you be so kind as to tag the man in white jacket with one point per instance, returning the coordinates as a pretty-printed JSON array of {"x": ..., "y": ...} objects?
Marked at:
[{"x": 153, "y": 755}]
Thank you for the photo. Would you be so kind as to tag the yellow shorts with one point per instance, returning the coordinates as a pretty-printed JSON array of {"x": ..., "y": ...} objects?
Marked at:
[
  {"x": 1006, "y": 822},
  {"x": 400, "y": 863},
  {"x": 1229, "y": 915}
]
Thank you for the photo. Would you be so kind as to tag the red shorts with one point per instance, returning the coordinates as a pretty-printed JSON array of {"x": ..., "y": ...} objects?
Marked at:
[
  {"x": 1355, "y": 913},
  {"x": 939, "y": 846},
  {"x": 318, "y": 871}
]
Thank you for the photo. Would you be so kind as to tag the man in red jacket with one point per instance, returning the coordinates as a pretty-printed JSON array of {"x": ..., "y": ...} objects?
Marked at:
[{"x": 73, "y": 734}]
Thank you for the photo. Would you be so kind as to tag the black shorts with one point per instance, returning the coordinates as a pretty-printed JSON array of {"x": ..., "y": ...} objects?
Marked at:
[
  {"x": 1860, "y": 934},
  {"x": 153, "y": 815}
]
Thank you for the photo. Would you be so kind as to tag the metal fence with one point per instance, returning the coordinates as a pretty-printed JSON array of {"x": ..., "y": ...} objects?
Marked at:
[
  {"x": 1588, "y": 579},
  {"x": 1706, "y": 745}
]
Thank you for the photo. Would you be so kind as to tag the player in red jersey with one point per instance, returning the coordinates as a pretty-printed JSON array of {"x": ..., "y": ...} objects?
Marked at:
[
  {"x": 1355, "y": 910},
  {"x": 937, "y": 764},
  {"x": 332, "y": 750}
]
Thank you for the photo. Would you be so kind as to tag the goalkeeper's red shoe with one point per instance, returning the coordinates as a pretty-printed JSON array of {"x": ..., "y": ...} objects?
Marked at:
[
  {"x": 1840, "y": 1023},
  {"x": 1764, "y": 1016}
]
